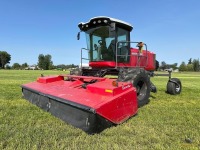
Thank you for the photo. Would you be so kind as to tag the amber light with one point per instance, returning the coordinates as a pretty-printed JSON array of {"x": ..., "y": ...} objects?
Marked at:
[{"x": 115, "y": 83}]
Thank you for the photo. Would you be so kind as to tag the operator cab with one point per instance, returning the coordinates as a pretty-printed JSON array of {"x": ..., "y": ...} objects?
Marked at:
[{"x": 107, "y": 40}]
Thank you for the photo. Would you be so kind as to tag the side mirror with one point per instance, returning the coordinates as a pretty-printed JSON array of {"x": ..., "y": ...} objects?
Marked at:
[{"x": 78, "y": 36}]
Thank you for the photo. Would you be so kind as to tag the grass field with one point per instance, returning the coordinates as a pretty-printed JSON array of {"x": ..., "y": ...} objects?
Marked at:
[{"x": 167, "y": 122}]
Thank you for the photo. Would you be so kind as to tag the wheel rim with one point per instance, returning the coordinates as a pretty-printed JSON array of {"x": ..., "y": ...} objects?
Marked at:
[{"x": 178, "y": 88}]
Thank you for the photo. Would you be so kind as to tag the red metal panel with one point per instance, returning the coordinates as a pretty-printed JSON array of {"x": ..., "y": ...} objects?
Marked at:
[
  {"x": 120, "y": 108},
  {"x": 100, "y": 64},
  {"x": 49, "y": 79},
  {"x": 146, "y": 59},
  {"x": 151, "y": 61},
  {"x": 113, "y": 103},
  {"x": 106, "y": 87}
]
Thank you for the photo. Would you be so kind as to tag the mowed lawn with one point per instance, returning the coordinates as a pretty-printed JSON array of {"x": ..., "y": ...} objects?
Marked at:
[{"x": 167, "y": 122}]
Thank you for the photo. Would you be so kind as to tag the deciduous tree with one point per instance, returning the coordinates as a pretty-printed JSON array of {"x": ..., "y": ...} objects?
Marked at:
[
  {"x": 4, "y": 58},
  {"x": 45, "y": 62},
  {"x": 190, "y": 67},
  {"x": 183, "y": 67},
  {"x": 163, "y": 65},
  {"x": 24, "y": 65},
  {"x": 16, "y": 66}
]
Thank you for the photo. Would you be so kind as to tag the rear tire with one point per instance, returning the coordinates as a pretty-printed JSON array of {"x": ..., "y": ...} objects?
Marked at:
[
  {"x": 76, "y": 71},
  {"x": 174, "y": 86},
  {"x": 141, "y": 81}
]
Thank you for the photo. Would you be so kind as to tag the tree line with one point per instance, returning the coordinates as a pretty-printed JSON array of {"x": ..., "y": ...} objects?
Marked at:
[
  {"x": 192, "y": 65},
  {"x": 45, "y": 63}
]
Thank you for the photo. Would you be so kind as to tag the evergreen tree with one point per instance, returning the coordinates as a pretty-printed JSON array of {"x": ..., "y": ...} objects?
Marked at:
[
  {"x": 190, "y": 61},
  {"x": 196, "y": 64}
]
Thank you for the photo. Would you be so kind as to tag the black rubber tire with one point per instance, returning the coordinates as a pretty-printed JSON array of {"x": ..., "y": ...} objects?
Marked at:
[
  {"x": 174, "y": 86},
  {"x": 76, "y": 71},
  {"x": 141, "y": 81}
]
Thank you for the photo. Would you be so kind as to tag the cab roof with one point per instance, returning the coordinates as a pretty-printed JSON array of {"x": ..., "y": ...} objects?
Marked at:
[{"x": 103, "y": 21}]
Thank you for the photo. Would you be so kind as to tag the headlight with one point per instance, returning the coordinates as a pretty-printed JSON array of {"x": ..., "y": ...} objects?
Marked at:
[{"x": 105, "y": 21}]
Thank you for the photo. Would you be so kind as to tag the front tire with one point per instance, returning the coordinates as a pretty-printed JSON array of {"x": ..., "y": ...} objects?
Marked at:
[
  {"x": 174, "y": 86},
  {"x": 141, "y": 81}
]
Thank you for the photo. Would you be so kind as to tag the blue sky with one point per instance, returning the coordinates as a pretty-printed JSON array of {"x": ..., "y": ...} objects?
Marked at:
[{"x": 170, "y": 28}]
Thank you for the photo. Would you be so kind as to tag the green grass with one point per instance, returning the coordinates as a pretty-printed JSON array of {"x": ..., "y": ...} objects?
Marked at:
[{"x": 164, "y": 123}]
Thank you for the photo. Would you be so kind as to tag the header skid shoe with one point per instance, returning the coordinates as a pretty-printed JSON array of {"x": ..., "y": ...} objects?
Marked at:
[{"x": 92, "y": 108}]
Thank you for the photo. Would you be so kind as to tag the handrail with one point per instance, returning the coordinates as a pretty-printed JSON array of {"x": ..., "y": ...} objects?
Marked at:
[
  {"x": 116, "y": 57},
  {"x": 139, "y": 56},
  {"x": 83, "y": 77},
  {"x": 82, "y": 55}
]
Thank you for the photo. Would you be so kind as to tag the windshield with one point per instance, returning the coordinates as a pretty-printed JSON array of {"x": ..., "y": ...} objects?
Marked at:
[{"x": 101, "y": 42}]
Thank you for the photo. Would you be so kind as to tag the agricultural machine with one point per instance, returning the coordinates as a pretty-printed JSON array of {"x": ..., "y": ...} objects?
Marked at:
[{"x": 109, "y": 91}]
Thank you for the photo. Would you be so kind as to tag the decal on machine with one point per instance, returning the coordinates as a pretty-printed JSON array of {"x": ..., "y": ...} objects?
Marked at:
[{"x": 126, "y": 87}]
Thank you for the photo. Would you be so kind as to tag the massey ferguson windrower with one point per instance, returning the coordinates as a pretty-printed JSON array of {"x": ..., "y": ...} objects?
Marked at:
[{"x": 111, "y": 89}]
